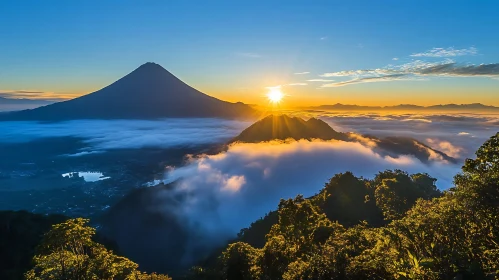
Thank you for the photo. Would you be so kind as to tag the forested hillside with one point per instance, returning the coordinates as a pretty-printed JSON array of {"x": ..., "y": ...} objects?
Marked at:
[{"x": 410, "y": 230}]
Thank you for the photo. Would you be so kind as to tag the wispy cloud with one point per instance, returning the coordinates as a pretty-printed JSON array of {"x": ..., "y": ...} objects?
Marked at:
[
  {"x": 395, "y": 58},
  {"x": 323, "y": 38},
  {"x": 453, "y": 69},
  {"x": 414, "y": 70},
  {"x": 34, "y": 95},
  {"x": 350, "y": 73},
  {"x": 298, "y": 84},
  {"x": 248, "y": 54},
  {"x": 446, "y": 52},
  {"x": 385, "y": 78},
  {"x": 302, "y": 73},
  {"x": 320, "y": 80}
]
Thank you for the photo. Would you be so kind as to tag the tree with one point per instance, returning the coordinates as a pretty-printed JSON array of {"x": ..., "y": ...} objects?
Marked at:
[
  {"x": 239, "y": 262},
  {"x": 396, "y": 192},
  {"x": 20, "y": 234},
  {"x": 478, "y": 183},
  {"x": 67, "y": 251},
  {"x": 349, "y": 200}
]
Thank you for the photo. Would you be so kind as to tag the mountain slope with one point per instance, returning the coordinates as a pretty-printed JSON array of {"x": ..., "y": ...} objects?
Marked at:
[
  {"x": 150, "y": 91},
  {"x": 11, "y": 104},
  {"x": 282, "y": 127}
]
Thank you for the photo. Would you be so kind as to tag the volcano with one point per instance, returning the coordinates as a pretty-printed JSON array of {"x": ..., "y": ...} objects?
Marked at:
[{"x": 149, "y": 92}]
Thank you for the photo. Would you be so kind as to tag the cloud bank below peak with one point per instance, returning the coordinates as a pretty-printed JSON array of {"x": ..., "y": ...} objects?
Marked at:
[{"x": 257, "y": 175}]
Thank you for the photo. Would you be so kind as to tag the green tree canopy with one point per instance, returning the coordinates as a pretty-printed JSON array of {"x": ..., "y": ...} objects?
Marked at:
[{"x": 67, "y": 251}]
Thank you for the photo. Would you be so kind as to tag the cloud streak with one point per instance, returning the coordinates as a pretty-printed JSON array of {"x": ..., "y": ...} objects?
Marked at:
[
  {"x": 446, "y": 52},
  {"x": 453, "y": 69},
  {"x": 320, "y": 80},
  {"x": 34, "y": 95},
  {"x": 419, "y": 68},
  {"x": 414, "y": 70},
  {"x": 302, "y": 73},
  {"x": 385, "y": 78}
]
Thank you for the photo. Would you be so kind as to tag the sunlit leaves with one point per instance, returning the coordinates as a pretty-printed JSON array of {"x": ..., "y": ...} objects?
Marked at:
[{"x": 68, "y": 252}]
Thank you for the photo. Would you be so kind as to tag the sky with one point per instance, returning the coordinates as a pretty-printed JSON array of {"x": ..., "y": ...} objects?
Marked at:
[{"x": 318, "y": 52}]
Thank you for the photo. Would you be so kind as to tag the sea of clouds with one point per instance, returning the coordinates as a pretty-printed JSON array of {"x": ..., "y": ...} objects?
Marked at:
[
  {"x": 248, "y": 179},
  {"x": 458, "y": 135},
  {"x": 225, "y": 192}
]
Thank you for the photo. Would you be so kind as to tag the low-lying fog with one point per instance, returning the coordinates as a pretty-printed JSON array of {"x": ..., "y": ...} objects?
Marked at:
[{"x": 102, "y": 135}]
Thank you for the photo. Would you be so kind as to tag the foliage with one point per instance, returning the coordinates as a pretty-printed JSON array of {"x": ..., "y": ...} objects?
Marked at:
[
  {"x": 20, "y": 233},
  {"x": 68, "y": 251},
  {"x": 255, "y": 234},
  {"x": 422, "y": 233},
  {"x": 351, "y": 200},
  {"x": 240, "y": 262}
]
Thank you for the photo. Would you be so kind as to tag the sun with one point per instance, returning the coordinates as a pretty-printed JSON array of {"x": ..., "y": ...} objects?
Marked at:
[{"x": 275, "y": 95}]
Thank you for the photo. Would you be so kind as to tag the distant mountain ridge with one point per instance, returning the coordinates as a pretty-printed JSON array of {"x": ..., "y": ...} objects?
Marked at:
[
  {"x": 148, "y": 92},
  {"x": 14, "y": 104},
  {"x": 282, "y": 127},
  {"x": 441, "y": 107}
]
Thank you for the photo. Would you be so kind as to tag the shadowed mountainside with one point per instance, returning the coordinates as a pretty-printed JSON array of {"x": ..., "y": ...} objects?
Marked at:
[
  {"x": 147, "y": 226},
  {"x": 148, "y": 92}
]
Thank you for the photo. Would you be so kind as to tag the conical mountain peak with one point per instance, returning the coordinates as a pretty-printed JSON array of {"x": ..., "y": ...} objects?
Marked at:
[
  {"x": 151, "y": 66},
  {"x": 150, "y": 91}
]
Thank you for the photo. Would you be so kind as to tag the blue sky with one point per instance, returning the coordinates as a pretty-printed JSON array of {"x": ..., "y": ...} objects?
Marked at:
[{"x": 235, "y": 49}]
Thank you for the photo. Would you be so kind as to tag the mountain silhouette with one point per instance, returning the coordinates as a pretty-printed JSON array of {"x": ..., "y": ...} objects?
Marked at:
[
  {"x": 148, "y": 92},
  {"x": 12, "y": 104},
  {"x": 282, "y": 127},
  {"x": 408, "y": 107}
]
